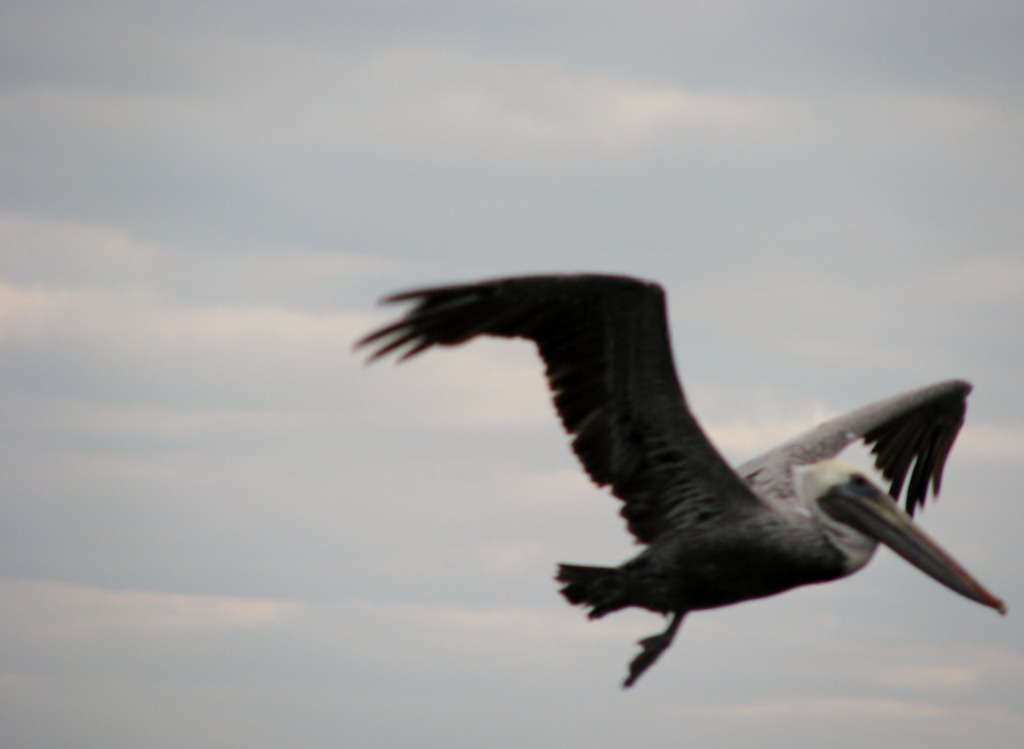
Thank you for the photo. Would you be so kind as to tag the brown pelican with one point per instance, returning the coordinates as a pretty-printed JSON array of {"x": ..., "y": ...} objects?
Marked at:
[{"x": 712, "y": 535}]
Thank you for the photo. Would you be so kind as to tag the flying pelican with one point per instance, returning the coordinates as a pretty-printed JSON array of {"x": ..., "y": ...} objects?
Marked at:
[{"x": 712, "y": 535}]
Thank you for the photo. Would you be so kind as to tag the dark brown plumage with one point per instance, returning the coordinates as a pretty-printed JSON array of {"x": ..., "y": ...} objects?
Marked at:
[{"x": 713, "y": 535}]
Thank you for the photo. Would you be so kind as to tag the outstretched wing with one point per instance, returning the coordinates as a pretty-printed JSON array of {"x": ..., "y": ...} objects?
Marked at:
[
  {"x": 604, "y": 341},
  {"x": 909, "y": 433}
]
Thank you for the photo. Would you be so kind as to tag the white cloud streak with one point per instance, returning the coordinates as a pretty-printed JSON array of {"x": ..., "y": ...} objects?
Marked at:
[{"x": 59, "y": 610}]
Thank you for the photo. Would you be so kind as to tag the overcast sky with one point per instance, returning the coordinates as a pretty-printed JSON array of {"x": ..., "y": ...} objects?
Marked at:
[{"x": 220, "y": 529}]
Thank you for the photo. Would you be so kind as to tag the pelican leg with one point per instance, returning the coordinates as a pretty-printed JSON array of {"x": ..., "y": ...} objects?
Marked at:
[{"x": 653, "y": 647}]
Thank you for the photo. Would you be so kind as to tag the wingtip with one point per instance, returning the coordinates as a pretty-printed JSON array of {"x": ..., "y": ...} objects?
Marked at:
[{"x": 364, "y": 341}]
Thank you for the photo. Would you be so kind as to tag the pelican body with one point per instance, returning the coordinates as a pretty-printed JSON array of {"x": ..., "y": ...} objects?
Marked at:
[{"x": 712, "y": 535}]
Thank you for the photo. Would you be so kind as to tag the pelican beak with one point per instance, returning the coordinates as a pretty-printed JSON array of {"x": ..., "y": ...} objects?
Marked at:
[{"x": 877, "y": 515}]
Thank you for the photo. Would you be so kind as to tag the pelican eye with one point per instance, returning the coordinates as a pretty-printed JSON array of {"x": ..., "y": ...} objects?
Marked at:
[{"x": 859, "y": 485}]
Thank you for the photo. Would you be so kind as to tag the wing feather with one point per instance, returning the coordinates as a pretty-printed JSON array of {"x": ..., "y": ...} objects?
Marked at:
[
  {"x": 911, "y": 433},
  {"x": 604, "y": 342}
]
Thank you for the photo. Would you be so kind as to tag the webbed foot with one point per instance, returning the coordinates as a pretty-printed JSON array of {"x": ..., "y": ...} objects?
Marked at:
[{"x": 653, "y": 647}]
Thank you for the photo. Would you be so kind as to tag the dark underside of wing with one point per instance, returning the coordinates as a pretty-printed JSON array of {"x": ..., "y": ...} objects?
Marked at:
[
  {"x": 917, "y": 442},
  {"x": 605, "y": 345}
]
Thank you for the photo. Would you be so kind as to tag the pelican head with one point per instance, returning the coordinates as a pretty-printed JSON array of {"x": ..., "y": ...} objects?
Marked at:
[{"x": 856, "y": 516}]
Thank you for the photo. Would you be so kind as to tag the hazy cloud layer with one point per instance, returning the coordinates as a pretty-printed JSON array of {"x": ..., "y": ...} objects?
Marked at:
[{"x": 221, "y": 529}]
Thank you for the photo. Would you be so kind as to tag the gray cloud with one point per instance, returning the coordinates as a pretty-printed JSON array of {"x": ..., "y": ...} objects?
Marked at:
[{"x": 220, "y": 528}]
